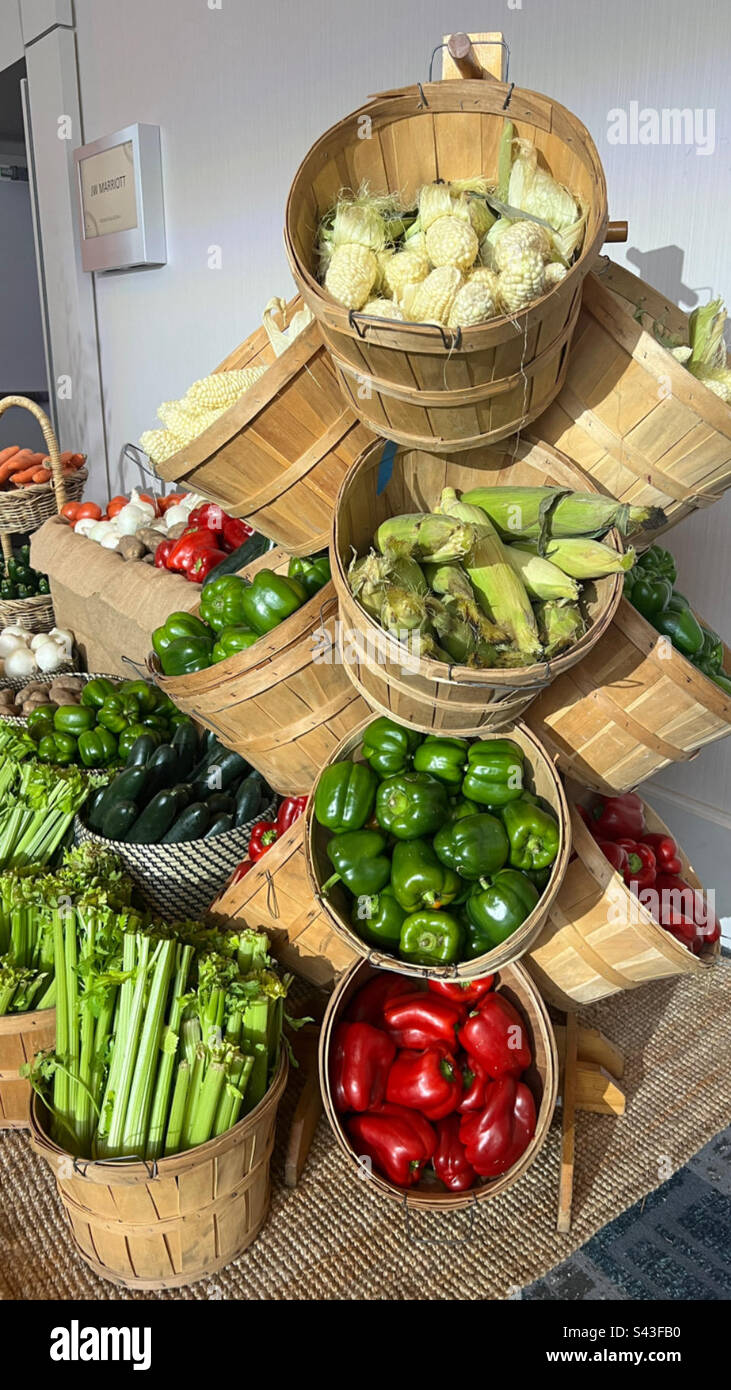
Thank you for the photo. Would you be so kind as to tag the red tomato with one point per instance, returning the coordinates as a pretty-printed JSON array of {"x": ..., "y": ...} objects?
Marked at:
[
  {"x": 171, "y": 500},
  {"x": 71, "y": 511},
  {"x": 116, "y": 505},
  {"x": 89, "y": 509},
  {"x": 145, "y": 497}
]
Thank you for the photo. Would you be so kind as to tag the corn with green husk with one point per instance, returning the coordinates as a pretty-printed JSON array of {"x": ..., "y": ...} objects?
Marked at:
[
  {"x": 367, "y": 578},
  {"x": 529, "y": 512},
  {"x": 403, "y": 610},
  {"x": 542, "y": 579},
  {"x": 584, "y": 558},
  {"x": 451, "y": 584},
  {"x": 425, "y": 536},
  {"x": 559, "y": 625},
  {"x": 499, "y": 589},
  {"x": 455, "y": 634},
  {"x": 707, "y": 360}
]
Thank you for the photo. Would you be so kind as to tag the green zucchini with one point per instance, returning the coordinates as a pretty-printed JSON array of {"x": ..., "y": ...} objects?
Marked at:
[
  {"x": 128, "y": 785},
  {"x": 142, "y": 749},
  {"x": 162, "y": 769},
  {"x": 252, "y": 548},
  {"x": 92, "y": 819},
  {"x": 224, "y": 769},
  {"x": 248, "y": 799},
  {"x": 221, "y": 803},
  {"x": 191, "y": 824},
  {"x": 219, "y": 825},
  {"x": 156, "y": 819},
  {"x": 185, "y": 743},
  {"x": 120, "y": 820}
]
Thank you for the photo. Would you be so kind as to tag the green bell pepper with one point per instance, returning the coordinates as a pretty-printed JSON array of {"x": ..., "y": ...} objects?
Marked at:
[
  {"x": 678, "y": 602},
  {"x": 232, "y": 640},
  {"x": 651, "y": 594},
  {"x": 682, "y": 628},
  {"x": 532, "y": 833},
  {"x": 719, "y": 678},
  {"x": 494, "y": 772},
  {"x": 43, "y": 585},
  {"x": 657, "y": 561},
  {"x": 539, "y": 877},
  {"x": 269, "y": 599},
  {"x": 360, "y": 862},
  {"x": 187, "y": 654},
  {"x": 461, "y": 807},
  {"x": 474, "y": 845},
  {"x": 712, "y": 650},
  {"x": 177, "y": 626},
  {"x": 118, "y": 712},
  {"x": 97, "y": 747},
  {"x": 97, "y": 691},
  {"x": 73, "y": 719},
  {"x": 58, "y": 748},
  {"x": 411, "y": 804},
  {"x": 388, "y": 747},
  {"x": 130, "y": 735},
  {"x": 40, "y": 722},
  {"x": 419, "y": 879},
  {"x": 312, "y": 572},
  {"x": 431, "y": 938},
  {"x": 495, "y": 910},
  {"x": 7, "y": 589},
  {"x": 147, "y": 695},
  {"x": 221, "y": 603},
  {"x": 379, "y": 918},
  {"x": 345, "y": 796},
  {"x": 445, "y": 758}
]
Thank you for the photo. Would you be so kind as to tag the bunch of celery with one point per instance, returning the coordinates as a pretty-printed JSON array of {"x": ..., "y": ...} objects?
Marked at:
[
  {"x": 165, "y": 1034},
  {"x": 38, "y": 802}
]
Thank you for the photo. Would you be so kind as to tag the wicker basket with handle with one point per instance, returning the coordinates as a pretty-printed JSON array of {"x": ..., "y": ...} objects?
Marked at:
[
  {"x": 421, "y": 384},
  {"x": 21, "y": 1036},
  {"x": 541, "y": 1078},
  {"x": 23, "y": 509}
]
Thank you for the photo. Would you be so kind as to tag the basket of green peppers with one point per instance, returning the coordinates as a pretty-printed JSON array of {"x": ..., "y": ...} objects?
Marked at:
[
  {"x": 25, "y": 595},
  {"x": 437, "y": 854},
  {"x": 100, "y": 730},
  {"x": 649, "y": 587},
  {"x": 235, "y": 611}
]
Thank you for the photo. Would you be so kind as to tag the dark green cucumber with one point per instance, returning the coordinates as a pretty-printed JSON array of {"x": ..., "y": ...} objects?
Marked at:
[
  {"x": 252, "y": 548},
  {"x": 156, "y": 819},
  {"x": 225, "y": 768},
  {"x": 191, "y": 824},
  {"x": 92, "y": 818},
  {"x": 119, "y": 821},
  {"x": 219, "y": 825},
  {"x": 221, "y": 804},
  {"x": 248, "y": 799},
  {"x": 129, "y": 785},
  {"x": 185, "y": 743},
  {"x": 142, "y": 749},
  {"x": 162, "y": 769}
]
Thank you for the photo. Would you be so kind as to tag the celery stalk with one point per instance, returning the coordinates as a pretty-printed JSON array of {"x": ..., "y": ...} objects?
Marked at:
[
  {"x": 178, "y": 1108},
  {"x": 134, "y": 1134}
]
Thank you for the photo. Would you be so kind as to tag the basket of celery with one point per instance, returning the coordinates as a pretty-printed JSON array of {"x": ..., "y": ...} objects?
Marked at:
[
  {"x": 38, "y": 802},
  {"x": 157, "y": 1109}
]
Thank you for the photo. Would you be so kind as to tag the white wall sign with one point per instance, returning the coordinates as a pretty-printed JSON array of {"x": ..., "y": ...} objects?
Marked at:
[{"x": 119, "y": 187}]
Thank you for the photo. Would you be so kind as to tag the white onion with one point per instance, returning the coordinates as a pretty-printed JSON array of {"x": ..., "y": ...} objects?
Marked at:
[
  {"x": 102, "y": 529},
  {"x": 110, "y": 541},
  {"x": 49, "y": 656},
  {"x": 130, "y": 519},
  {"x": 11, "y": 641},
  {"x": 85, "y": 526},
  {"x": 38, "y": 639},
  {"x": 64, "y": 638},
  {"x": 174, "y": 515},
  {"x": 21, "y": 662},
  {"x": 136, "y": 500}
]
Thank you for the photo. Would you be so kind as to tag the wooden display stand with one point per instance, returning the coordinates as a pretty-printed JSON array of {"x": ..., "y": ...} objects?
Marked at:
[{"x": 590, "y": 1068}]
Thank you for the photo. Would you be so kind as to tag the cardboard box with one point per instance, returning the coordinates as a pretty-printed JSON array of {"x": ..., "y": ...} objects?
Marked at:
[{"x": 110, "y": 604}]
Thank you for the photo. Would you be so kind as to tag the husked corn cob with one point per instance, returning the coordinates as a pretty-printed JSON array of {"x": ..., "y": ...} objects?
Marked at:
[
  {"x": 159, "y": 444},
  {"x": 431, "y": 301},
  {"x": 473, "y": 303},
  {"x": 449, "y": 241},
  {"x": 522, "y": 236},
  {"x": 523, "y": 512},
  {"x": 584, "y": 558},
  {"x": 222, "y": 388},
  {"x": 522, "y": 279},
  {"x": 542, "y": 579},
  {"x": 351, "y": 275},
  {"x": 382, "y": 309},
  {"x": 500, "y": 591},
  {"x": 555, "y": 272}
]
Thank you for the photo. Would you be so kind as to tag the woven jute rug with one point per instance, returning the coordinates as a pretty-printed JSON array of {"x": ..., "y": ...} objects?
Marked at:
[{"x": 333, "y": 1239}]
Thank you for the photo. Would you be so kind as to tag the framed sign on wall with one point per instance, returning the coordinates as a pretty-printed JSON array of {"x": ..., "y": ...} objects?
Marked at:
[{"x": 119, "y": 192}]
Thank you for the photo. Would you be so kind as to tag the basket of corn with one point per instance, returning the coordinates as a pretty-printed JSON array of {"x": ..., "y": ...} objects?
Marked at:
[
  {"x": 446, "y": 274},
  {"x": 646, "y": 406},
  {"x": 461, "y": 594},
  {"x": 267, "y": 435}
]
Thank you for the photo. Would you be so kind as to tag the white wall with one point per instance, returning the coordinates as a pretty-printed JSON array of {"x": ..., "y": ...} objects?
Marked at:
[{"x": 22, "y": 364}]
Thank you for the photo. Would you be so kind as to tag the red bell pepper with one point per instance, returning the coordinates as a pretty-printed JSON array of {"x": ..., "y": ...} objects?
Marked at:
[
  {"x": 209, "y": 516},
  {"x": 496, "y": 1035},
  {"x": 641, "y": 871},
  {"x": 241, "y": 871},
  {"x": 162, "y": 554},
  {"x": 359, "y": 1066},
  {"x": 263, "y": 836},
  {"x": 426, "y": 1081},
  {"x": 420, "y": 1020},
  {"x": 616, "y": 817},
  {"x": 462, "y": 991},
  {"x": 665, "y": 851},
  {"x": 290, "y": 810},
  {"x": 450, "y": 1159},
  {"x": 235, "y": 532},
  {"x": 475, "y": 1080},
  {"x": 188, "y": 555},
  {"x": 398, "y": 1141},
  {"x": 683, "y": 907},
  {"x": 368, "y": 1004},
  {"x": 495, "y": 1138},
  {"x": 203, "y": 564},
  {"x": 616, "y": 855}
]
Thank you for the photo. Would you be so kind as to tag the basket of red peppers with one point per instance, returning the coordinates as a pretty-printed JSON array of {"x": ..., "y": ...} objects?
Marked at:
[
  {"x": 209, "y": 537},
  {"x": 439, "y": 1092}
]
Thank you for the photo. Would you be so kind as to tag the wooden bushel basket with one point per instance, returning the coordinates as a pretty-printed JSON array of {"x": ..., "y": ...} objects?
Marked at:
[
  {"x": 279, "y": 454},
  {"x": 541, "y": 778},
  {"x": 276, "y": 894},
  {"x": 21, "y": 1036},
  {"x": 599, "y": 938},
  {"x": 633, "y": 706},
  {"x": 428, "y": 694},
  {"x": 631, "y": 416},
  {"x": 276, "y": 704},
  {"x": 541, "y": 1078},
  {"x": 423, "y": 385},
  {"x": 163, "y": 1224}
]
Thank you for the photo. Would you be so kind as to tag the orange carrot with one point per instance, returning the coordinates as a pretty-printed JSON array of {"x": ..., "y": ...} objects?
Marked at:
[
  {"x": 26, "y": 476},
  {"x": 42, "y": 475},
  {"x": 11, "y": 465},
  {"x": 6, "y": 454}
]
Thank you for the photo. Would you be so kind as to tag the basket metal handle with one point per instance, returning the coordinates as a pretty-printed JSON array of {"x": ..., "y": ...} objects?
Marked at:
[
  {"x": 449, "y": 339},
  {"x": 81, "y": 1165}
]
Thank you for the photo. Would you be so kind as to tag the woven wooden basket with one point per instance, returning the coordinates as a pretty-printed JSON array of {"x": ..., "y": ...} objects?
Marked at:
[
  {"x": 24, "y": 509},
  {"x": 428, "y": 694},
  {"x": 542, "y": 1079},
  {"x": 164, "y": 1224},
  {"x": 278, "y": 456},
  {"x": 633, "y": 706},
  {"x": 276, "y": 895},
  {"x": 34, "y": 614},
  {"x": 425, "y": 386},
  {"x": 598, "y": 938},
  {"x": 631, "y": 416},
  {"x": 541, "y": 777},
  {"x": 277, "y": 704},
  {"x": 21, "y": 1036}
]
